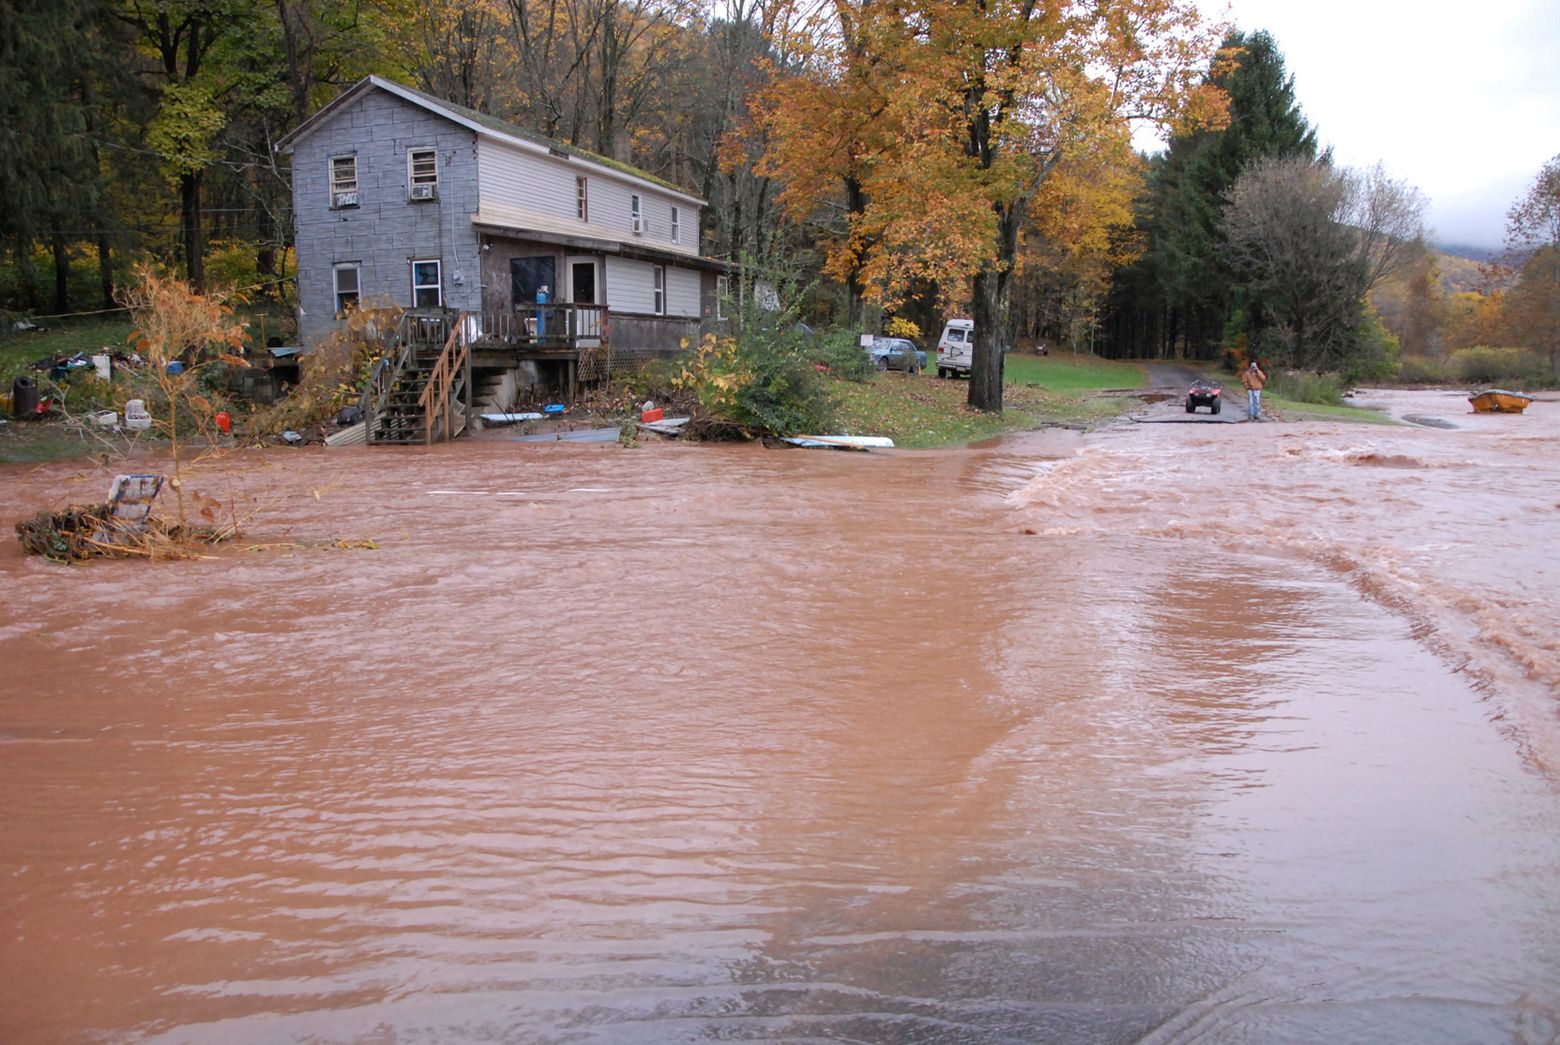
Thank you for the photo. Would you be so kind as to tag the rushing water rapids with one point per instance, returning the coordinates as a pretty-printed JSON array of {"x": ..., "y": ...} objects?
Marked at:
[{"x": 1170, "y": 732}]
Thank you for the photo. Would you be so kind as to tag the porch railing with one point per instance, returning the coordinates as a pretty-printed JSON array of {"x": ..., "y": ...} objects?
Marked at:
[
  {"x": 450, "y": 367},
  {"x": 579, "y": 335},
  {"x": 561, "y": 327}
]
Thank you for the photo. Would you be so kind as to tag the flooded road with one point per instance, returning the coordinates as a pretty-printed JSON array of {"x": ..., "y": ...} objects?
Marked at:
[{"x": 1164, "y": 733}]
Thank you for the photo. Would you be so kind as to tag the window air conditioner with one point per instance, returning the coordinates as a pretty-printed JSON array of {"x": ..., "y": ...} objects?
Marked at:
[
  {"x": 422, "y": 192},
  {"x": 346, "y": 199}
]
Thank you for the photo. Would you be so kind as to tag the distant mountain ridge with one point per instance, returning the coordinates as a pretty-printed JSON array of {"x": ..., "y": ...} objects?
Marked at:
[{"x": 1461, "y": 250}]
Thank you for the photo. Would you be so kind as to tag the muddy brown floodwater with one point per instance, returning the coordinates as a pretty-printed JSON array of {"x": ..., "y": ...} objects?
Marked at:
[{"x": 1165, "y": 733}]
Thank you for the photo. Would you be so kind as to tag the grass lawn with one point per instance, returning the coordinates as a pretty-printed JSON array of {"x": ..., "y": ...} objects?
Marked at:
[
  {"x": 922, "y": 411},
  {"x": 19, "y": 348},
  {"x": 1070, "y": 373},
  {"x": 1291, "y": 410},
  {"x": 67, "y": 337}
]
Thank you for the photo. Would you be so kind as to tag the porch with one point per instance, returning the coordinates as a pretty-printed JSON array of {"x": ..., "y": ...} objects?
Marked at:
[
  {"x": 442, "y": 366},
  {"x": 574, "y": 343}
]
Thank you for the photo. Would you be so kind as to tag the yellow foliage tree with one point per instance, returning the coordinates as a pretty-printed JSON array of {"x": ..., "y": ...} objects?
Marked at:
[
  {"x": 946, "y": 121},
  {"x": 1474, "y": 319}
]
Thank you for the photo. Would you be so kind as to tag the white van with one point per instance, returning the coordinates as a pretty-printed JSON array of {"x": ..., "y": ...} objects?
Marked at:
[{"x": 956, "y": 348}]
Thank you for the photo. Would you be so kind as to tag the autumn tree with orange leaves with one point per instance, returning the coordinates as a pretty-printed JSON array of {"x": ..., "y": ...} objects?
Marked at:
[{"x": 936, "y": 125}]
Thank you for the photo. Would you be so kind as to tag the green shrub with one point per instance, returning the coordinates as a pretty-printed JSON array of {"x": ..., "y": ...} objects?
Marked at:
[
  {"x": 1423, "y": 370},
  {"x": 760, "y": 383},
  {"x": 1486, "y": 365},
  {"x": 842, "y": 353},
  {"x": 1375, "y": 354},
  {"x": 1304, "y": 386}
]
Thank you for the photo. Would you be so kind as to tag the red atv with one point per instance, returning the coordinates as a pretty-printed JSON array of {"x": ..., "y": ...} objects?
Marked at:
[{"x": 1204, "y": 393}]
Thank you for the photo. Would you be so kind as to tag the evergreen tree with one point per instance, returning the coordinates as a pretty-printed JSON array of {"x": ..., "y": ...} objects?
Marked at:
[
  {"x": 1193, "y": 287},
  {"x": 47, "y": 173}
]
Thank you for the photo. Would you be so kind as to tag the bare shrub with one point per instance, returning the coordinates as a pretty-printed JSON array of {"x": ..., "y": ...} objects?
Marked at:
[
  {"x": 174, "y": 324},
  {"x": 332, "y": 373}
]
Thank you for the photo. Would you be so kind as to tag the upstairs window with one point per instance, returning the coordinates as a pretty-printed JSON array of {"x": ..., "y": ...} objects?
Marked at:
[
  {"x": 348, "y": 287},
  {"x": 427, "y": 287},
  {"x": 581, "y": 199},
  {"x": 343, "y": 181},
  {"x": 636, "y": 214},
  {"x": 422, "y": 174},
  {"x": 660, "y": 289},
  {"x": 676, "y": 226}
]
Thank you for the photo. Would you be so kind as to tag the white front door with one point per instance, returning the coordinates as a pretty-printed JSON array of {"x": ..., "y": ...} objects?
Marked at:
[{"x": 585, "y": 289}]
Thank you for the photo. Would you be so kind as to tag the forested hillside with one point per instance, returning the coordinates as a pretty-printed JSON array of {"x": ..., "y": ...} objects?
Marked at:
[
  {"x": 135, "y": 129},
  {"x": 874, "y": 162}
]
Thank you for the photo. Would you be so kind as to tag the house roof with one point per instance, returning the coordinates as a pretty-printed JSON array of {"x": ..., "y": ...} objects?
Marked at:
[
  {"x": 509, "y": 221},
  {"x": 480, "y": 123}
]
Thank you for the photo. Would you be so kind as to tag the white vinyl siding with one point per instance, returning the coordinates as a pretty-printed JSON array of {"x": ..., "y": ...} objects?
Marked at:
[
  {"x": 682, "y": 292},
  {"x": 539, "y": 184},
  {"x": 630, "y": 286},
  {"x": 548, "y": 186}
]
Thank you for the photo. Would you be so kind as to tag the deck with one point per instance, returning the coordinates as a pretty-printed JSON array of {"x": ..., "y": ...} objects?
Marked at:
[{"x": 578, "y": 342}]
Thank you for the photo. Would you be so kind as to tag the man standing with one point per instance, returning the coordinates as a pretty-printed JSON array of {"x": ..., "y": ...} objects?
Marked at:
[{"x": 1253, "y": 379}]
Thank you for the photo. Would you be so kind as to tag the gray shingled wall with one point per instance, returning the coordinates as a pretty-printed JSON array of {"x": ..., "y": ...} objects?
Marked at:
[{"x": 385, "y": 232}]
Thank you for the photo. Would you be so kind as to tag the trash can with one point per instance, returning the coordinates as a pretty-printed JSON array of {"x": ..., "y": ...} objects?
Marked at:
[{"x": 24, "y": 397}]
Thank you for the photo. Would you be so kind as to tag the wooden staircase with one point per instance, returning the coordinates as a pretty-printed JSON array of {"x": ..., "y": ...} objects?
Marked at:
[{"x": 421, "y": 392}]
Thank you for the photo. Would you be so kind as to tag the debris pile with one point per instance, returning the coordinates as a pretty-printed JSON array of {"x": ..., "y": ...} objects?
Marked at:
[
  {"x": 122, "y": 527},
  {"x": 68, "y": 535},
  {"x": 90, "y": 531}
]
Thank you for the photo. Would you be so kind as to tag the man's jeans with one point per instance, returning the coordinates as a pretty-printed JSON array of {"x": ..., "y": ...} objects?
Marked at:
[{"x": 1253, "y": 403}]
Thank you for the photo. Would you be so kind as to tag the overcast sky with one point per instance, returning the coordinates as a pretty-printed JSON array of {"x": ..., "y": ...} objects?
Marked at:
[{"x": 1461, "y": 100}]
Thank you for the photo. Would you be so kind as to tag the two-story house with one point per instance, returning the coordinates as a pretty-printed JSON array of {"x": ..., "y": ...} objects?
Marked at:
[{"x": 401, "y": 196}]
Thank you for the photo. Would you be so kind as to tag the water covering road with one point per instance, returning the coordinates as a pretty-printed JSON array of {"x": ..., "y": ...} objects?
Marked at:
[{"x": 1165, "y": 733}]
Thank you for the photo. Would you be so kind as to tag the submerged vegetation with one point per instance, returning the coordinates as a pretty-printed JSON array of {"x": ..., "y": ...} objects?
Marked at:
[{"x": 91, "y": 531}]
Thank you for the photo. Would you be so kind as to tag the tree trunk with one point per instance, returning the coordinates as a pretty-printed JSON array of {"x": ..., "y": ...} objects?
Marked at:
[
  {"x": 27, "y": 275},
  {"x": 855, "y": 291},
  {"x": 106, "y": 270},
  {"x": 194, "y": 247},
  {"x": 61, "y": 275},
  {"x": 993, "y": 332},
  {"x": 991, "y": 337}
]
